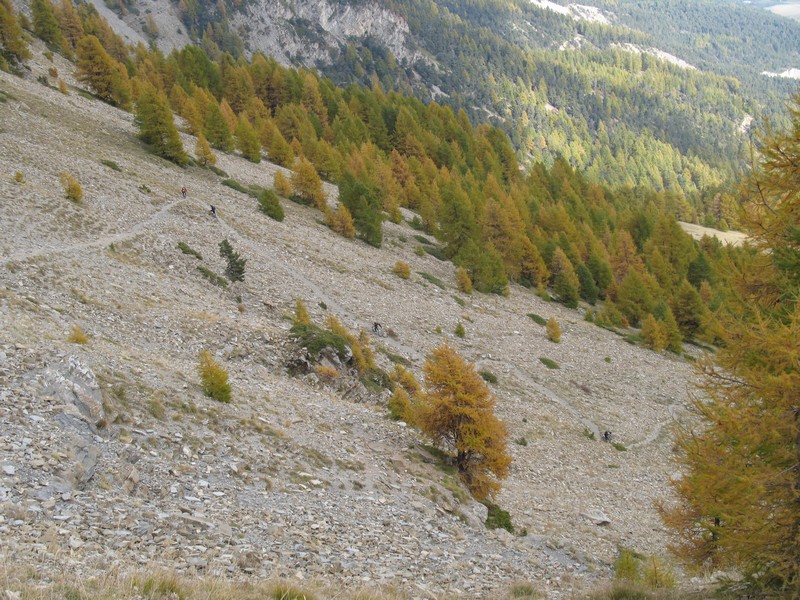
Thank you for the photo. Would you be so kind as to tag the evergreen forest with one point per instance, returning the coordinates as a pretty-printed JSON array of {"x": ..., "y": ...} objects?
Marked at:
[{"x": 589, "y": 92}]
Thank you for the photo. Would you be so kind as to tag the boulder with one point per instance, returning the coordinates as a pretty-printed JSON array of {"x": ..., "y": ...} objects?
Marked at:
[{"x": 74, "y": 385}]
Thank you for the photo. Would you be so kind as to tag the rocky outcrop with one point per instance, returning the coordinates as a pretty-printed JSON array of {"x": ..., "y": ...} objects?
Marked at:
[{"x": 317, "y": 31}]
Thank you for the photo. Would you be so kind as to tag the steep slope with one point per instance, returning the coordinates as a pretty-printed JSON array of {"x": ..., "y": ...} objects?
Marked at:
[{"x": 112, "y": 458}]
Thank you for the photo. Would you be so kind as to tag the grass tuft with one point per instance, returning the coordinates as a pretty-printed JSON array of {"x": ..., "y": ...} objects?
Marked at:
[{"x": 77, "y": 336}]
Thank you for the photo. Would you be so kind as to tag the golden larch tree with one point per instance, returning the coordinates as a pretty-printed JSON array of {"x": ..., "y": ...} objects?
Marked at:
[
  {"x": 739, "y": 500},
  {"x": 456, "y": 412}
]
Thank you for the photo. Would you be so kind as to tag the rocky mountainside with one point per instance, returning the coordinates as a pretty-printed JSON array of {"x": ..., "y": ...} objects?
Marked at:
[{"x": 111, "y": 457}]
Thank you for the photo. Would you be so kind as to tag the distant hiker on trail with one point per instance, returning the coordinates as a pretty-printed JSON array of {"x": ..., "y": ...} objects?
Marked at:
[
  {"x": 377, "y": 329},
  {"x": 213, "y": 211},
  {"x": 183, "y": 192},
  {"x": 607, "y": 436}
]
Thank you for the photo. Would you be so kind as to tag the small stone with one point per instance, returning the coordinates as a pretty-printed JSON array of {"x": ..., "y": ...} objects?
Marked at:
[{"x": 9, "y": 469}]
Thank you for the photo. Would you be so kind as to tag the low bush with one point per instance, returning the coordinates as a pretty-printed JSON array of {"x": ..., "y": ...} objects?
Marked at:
[
  {"x": 537, "y": 319},
  {"x": 110, "y": 164},
  {"x": 401, "y": 269},
  {"x": 72, "y": 189},
  {"x": 459, "y": 330},
  {"x": 77, "y": 336},
  {"x": 431, "y": 278},
  {"x": 488, "y": 376},
  {"x": 184, "y": 247},
  {"x": 235, "y": 185},
  {"x": 326, "y": 373},
  {"x": 436, "y": 253},
  {"x": 497, "y": 518},
  {"x": 269, "y": 204},
  {"x": 314, "y": 339},
  {"x": 213, "y": 378},
  {"x": 550, "y": 364},
  {"x": 213, "y": 277}
]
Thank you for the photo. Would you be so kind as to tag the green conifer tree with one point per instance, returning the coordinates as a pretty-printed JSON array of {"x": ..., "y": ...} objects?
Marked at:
[
  {"x": 13, "y": 49},
  {"x": 247, "y": 139},
  {"x": 216, "y": 129},
  {"x": 565, "y": 282},
  {"x": 364, "y": 203},
  {"x": 235, "y": 268},
  {"x": 157, "y": 127},
  {"x": 689, "y": 311},
  {"x": 107, "y": 78},
  {"x": 588, "y": 288},
  {"x": 45, "y": 24}
]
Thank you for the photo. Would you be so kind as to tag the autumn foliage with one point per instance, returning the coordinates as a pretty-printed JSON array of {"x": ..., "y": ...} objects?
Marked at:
[
  {"x": 456, "y": 412},
  {"x": 739, "y": 500}
]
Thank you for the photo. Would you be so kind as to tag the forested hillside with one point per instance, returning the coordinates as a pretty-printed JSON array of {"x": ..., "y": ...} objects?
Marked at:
[
  {"x": 592, "y": 93},
  {"x": 550, "y": 227}
]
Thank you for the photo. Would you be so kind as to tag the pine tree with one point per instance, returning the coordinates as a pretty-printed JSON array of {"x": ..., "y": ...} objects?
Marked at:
[
  {"x": 70, "y": 24},
  {"x": 654, "y": 334},
  {"x": 363, "y": 202},
  {"x": 687, "y": 306},
  {"x": 157, "y": 127},
  {"x": 457, "y": 412},
  {"x": 45, "y": 24},
  {"x": 634, "y": 298},
  {"x": 307, "y": 186},
  {"x": 588, "y": 288},
  {"x": 107, "y": 78},
  {"x": 301, "y": 316},
  {"x": 203, "y": 154},
  {"x": 281, "y": 184},
  {"x": 216, "y": 129},
  {"x": 13, "y": 49},
  {"x": 738, "y": 501},
  {"x": 663, "y": 313},
  {"x": 235, "y": 268},
  {"x": 463, "y": 282},
  {"x": 565, "y": 282},
  {"x": 280, "y": 152},
  {"x": 247, "y": 139},
  {"x": 341, "y": 221}
]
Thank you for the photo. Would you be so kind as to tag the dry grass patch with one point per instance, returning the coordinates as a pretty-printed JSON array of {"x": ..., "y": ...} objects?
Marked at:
[{"x": 77, "y": 336}]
